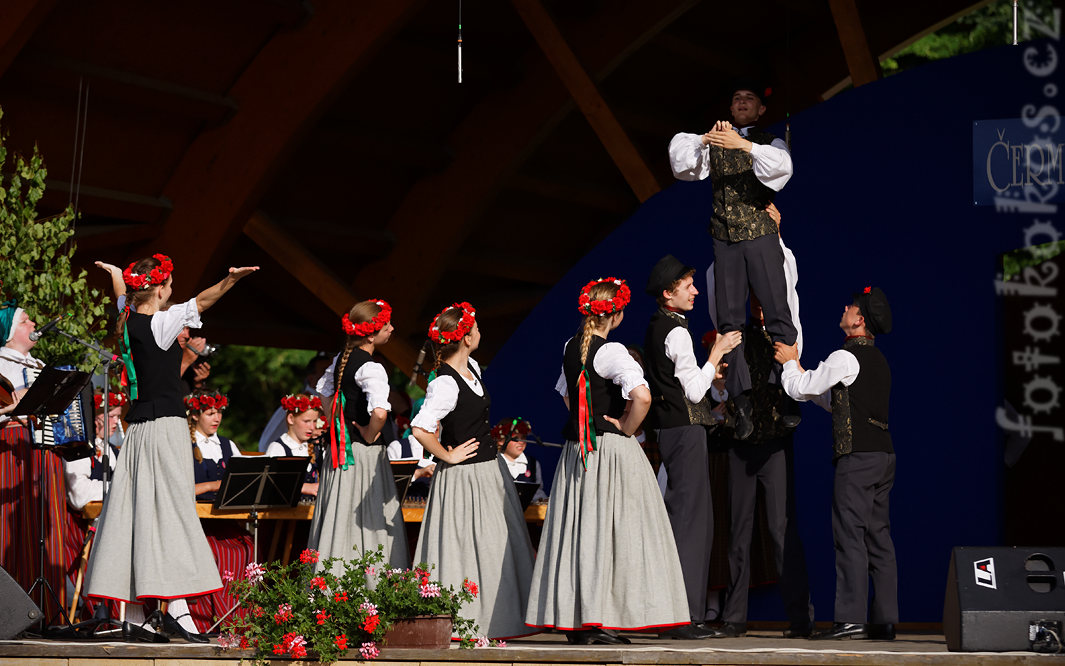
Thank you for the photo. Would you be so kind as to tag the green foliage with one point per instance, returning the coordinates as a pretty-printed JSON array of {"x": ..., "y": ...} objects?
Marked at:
[
  {"x": 35, "y": 262},
  {"x": 255, "y": 379},
  {"x": 986, "y": 27},
  {"x": 290, "y": 610}
]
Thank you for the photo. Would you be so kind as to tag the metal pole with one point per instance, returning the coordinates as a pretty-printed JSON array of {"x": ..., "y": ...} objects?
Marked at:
[{"x": 1015, "y": 22}]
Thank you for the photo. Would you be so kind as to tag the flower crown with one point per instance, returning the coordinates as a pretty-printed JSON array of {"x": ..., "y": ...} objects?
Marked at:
[
  {"x": 511, "y": 427},
  {"x": 201, "y": 403},
  {"x": 368, "y": 328},
  {"x": 299, "y": 403},
  {"x": 463, "y": 328},
  {"x": 157, "y": 275},
  {"x": 113, "y": 400},
  {"x": 586, "y": 306}
]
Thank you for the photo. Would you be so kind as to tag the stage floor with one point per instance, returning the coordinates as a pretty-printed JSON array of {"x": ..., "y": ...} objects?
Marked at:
[{"x": 758, "y": 647}]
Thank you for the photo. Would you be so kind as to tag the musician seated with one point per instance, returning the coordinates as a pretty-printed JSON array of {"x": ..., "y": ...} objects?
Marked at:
[
  {"x": 510, "y": 437},
  {"x": 406, "y": 448},
  {"x": 302, "y": 414},
  {"x": 210, "y": 451},
  {"x": 230, "y": 543}
]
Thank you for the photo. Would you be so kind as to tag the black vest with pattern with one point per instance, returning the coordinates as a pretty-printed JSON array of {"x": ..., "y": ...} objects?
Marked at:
[
  {"x": 469, "y": 419},
  {"x": 606, "y": 395},
  {"x": 159, "y": 387},
  {"x": 740, "y": 198},
  {"x": 860, "y": 411},
  {"x": 670, "y": 406}
]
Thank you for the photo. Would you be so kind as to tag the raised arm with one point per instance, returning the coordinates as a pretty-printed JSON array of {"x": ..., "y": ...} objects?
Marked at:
[
  {"x": 117, "y": 283},
  {"x": 210, "y": 296}
]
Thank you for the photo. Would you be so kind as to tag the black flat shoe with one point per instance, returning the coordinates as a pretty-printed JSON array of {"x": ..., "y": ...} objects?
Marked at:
[
  {"x": 799, "y": 631},
  {"x": 729, "y": 630},
  {"x": 841, "y": 631},
  {"x": 595, "y": 636},
  {"x": 881, "y": 632},
  {"x": 688, "y": 632},
  {"x": 174, "y": 628},
  {"x": 744, "y": 423},
  {"x": 137, "y": 633}
]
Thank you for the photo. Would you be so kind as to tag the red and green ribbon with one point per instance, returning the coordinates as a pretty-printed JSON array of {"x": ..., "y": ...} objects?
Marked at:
[
  {"x": 129, "y": 373},
  {"x": 343, "y": 456},
  {"x": 585, "y": 417}
]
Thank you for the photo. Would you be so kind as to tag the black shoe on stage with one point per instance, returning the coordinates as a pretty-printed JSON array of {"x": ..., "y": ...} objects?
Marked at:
[
  {"x": 744, "y": 425},
  {"x": 881, "y": 632},
  {"x": 799, "y": 631},
  {"x": 135, "y": 632},
  {"x": 729, "y": 630},
  {"x": 174, "y": 628},
  {"x": 595, "y": 636},
  {"x": 791, "y": 420},
  {"x": 688, "y": 632},
  {"x": 842, "y": 630}
]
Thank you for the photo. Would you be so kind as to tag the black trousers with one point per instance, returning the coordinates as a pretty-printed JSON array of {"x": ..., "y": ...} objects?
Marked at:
[
  {"x": 759, "y": 265},
  {"x": 861, "y": 529},
  {"x": 690, "y": 508},
  {"x": 771, "y": 466}
]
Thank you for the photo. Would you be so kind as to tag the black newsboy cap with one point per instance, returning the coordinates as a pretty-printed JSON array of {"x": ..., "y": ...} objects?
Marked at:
[
  {"x": 666, "y": 271},
  {"x": 874, "y": 306}
]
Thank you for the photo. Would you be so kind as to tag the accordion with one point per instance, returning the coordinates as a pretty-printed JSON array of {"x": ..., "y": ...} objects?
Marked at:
[{"x": 72, "y": 433}]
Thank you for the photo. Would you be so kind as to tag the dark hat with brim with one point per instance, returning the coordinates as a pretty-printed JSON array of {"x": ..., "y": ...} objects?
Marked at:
[
  {"x": 875, "y": 309},
  {"x": 668, "y": 270},
  {"x": 758, "y": 87}
]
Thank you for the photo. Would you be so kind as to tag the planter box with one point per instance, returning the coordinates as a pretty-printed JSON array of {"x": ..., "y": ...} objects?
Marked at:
[{"x": 422, "y": 631}]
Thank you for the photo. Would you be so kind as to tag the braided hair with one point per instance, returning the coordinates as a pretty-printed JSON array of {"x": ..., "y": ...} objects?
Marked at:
[
  {"x": 362, "y": 311},
  {"x": 599, "y": 292}
]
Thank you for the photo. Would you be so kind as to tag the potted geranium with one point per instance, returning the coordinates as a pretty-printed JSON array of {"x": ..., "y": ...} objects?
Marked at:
[{"x": 291, "y": 611}]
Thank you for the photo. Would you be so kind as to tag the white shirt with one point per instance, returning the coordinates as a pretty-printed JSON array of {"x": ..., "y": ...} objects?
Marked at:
[
  {"x": 690, "y": 160},
  {"x": 167, "y": 324},
  {"x": 278, "y": 425},
  {"x": 371, "y": 379},
  {"x": 441, "y": 398},
  {"x": 211, "y": 447},
  {"x": 395, "y": 452},
  {"x": 611, "y": 362},
  {"x": 815, "y": 385},
  {"x": 275, "y": 450},
  {"x": 81, "y": 489},
  {"x": 12, "y": 365},
  {"x": 694, "y": 380},
  {"x": 517, "y": 467},
  {"x": 791, "y": 279}
]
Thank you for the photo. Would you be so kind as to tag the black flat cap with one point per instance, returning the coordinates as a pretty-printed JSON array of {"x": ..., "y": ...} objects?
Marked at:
[
  {"x": 666, "y": 271},
  {"x": 874, "y": 306}
]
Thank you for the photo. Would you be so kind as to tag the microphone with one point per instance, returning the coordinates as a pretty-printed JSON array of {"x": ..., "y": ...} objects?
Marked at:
[
  {"x": 36, "y": 335},
  {"x": 418, "y": 364}
]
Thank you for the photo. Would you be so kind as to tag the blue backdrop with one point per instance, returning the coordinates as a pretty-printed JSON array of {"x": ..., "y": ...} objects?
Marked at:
[{"x": 882, "y": 194}]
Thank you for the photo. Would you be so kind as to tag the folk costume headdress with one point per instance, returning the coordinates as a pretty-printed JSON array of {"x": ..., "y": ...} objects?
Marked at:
[
  {"x": 367, "y": 328},
  {"x": 140, "y": 282},
  {"x": 203, "y": 401},
  {"x": 301, "y": 402},
  {"x": 590, "y": 307},
  {"x": 462, "y": 329},
  {"x": 114, "y": 399},
  {"x": 509, "y": 429}
]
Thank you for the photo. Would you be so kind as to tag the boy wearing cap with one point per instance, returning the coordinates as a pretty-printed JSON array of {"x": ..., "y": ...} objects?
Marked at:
[
  {"x": 748, "y": 167},
  {"x": 854, "y": 383},
  {"x": 681, "y": 411}
]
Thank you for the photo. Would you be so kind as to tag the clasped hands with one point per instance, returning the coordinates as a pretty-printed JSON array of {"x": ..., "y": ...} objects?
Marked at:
[{"x": 723, "y": 135}]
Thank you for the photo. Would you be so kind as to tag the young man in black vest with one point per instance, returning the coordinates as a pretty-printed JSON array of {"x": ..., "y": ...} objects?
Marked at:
[
  {"x": 748, "y": 167},
  {"x": 681, "y": 411},
  {"x": 854, "y": 383}
]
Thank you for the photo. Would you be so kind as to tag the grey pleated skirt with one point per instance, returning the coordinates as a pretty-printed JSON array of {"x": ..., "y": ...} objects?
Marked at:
[
  {"x": 474, "y": 528},
  {"x": 357, "y": 510},
  {"x": 607, "y": 555},
  {"x": 149, "y": 543}
]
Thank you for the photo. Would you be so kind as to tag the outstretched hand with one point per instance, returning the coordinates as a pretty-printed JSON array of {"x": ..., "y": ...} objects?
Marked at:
[
  {"x": 727, "y": 342},
  {"x": 242, "y": 272},
  {"x": 110, "y": 268}
]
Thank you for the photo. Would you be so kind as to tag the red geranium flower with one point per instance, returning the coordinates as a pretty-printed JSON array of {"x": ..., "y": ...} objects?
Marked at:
[
  {"x": 368, "y": 328},
  {"x": 341, "y": 642},
  {"x": 470, "y": 586},
  {"x": 590, "y": 308}
]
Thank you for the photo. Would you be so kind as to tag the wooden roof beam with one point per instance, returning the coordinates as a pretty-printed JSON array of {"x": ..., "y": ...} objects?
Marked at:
[
  {"x": 220, "y": 179},
  {"x": 861, "y": 63},
  {"x": 319, "y": 280},
  {"x": 18, "y": 21},
  {"x": 588, "y": 98}
]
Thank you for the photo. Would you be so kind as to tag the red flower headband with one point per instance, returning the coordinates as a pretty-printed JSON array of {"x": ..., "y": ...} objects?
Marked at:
[
  {"x": 113, "y": 399},
  {"x": 201, "y": 403},
  {"x": 297, "y": 404},
  {"x": 463, "y": 328},
  {"x": 586, "y": 306},
  {"x": 510, "y": 428},
  {"x": 157, "y": 275},
  {"x": 368, "y": 328},
  {"x": 868, "y": 290}
]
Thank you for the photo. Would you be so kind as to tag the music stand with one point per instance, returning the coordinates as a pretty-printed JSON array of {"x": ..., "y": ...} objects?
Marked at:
[
  {"x": 252, "y": 483},
  {"x": 403, "y": 472},
  {"x": 51, "y": 393}
]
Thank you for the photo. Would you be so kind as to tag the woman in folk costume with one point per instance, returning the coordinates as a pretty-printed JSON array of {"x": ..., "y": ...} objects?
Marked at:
[
  {"x": 149, "y": 543},
  {"x": 230, "y": 542},
  {"x": 473, "y": 526},
  {"x": 607, "y": 559},
  {"x": 357, "y": 508}
]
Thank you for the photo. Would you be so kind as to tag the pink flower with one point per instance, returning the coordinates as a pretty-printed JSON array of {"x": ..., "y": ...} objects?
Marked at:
[
  {"x": 369, "y": 650},
  {"x": 371, "y": 571},
  {"x": 429, "y": 590},
  {"x": 254, "y": 572},
  {"x": 501, "y": 643},
  {"x": 368, "y": 607},
  {"x": 482, "y": 641},
  {"x": 318, "y": 582},
  {"x": 283, "y": 614},
  {"x": 227, "y": 576},
  {"x": 228, "y": 641}
]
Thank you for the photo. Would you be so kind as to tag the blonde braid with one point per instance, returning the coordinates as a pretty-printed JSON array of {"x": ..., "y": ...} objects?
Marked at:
[
  {"x": 588, "y": 327},
  {"x": 196, "y": 453},
  {"x": 349, "y": 347}
]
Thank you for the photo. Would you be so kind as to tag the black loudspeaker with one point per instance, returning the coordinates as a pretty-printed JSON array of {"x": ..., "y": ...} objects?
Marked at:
[
  {"x": 17, "y": 610},
  {"x": 995, "y": 595}
]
